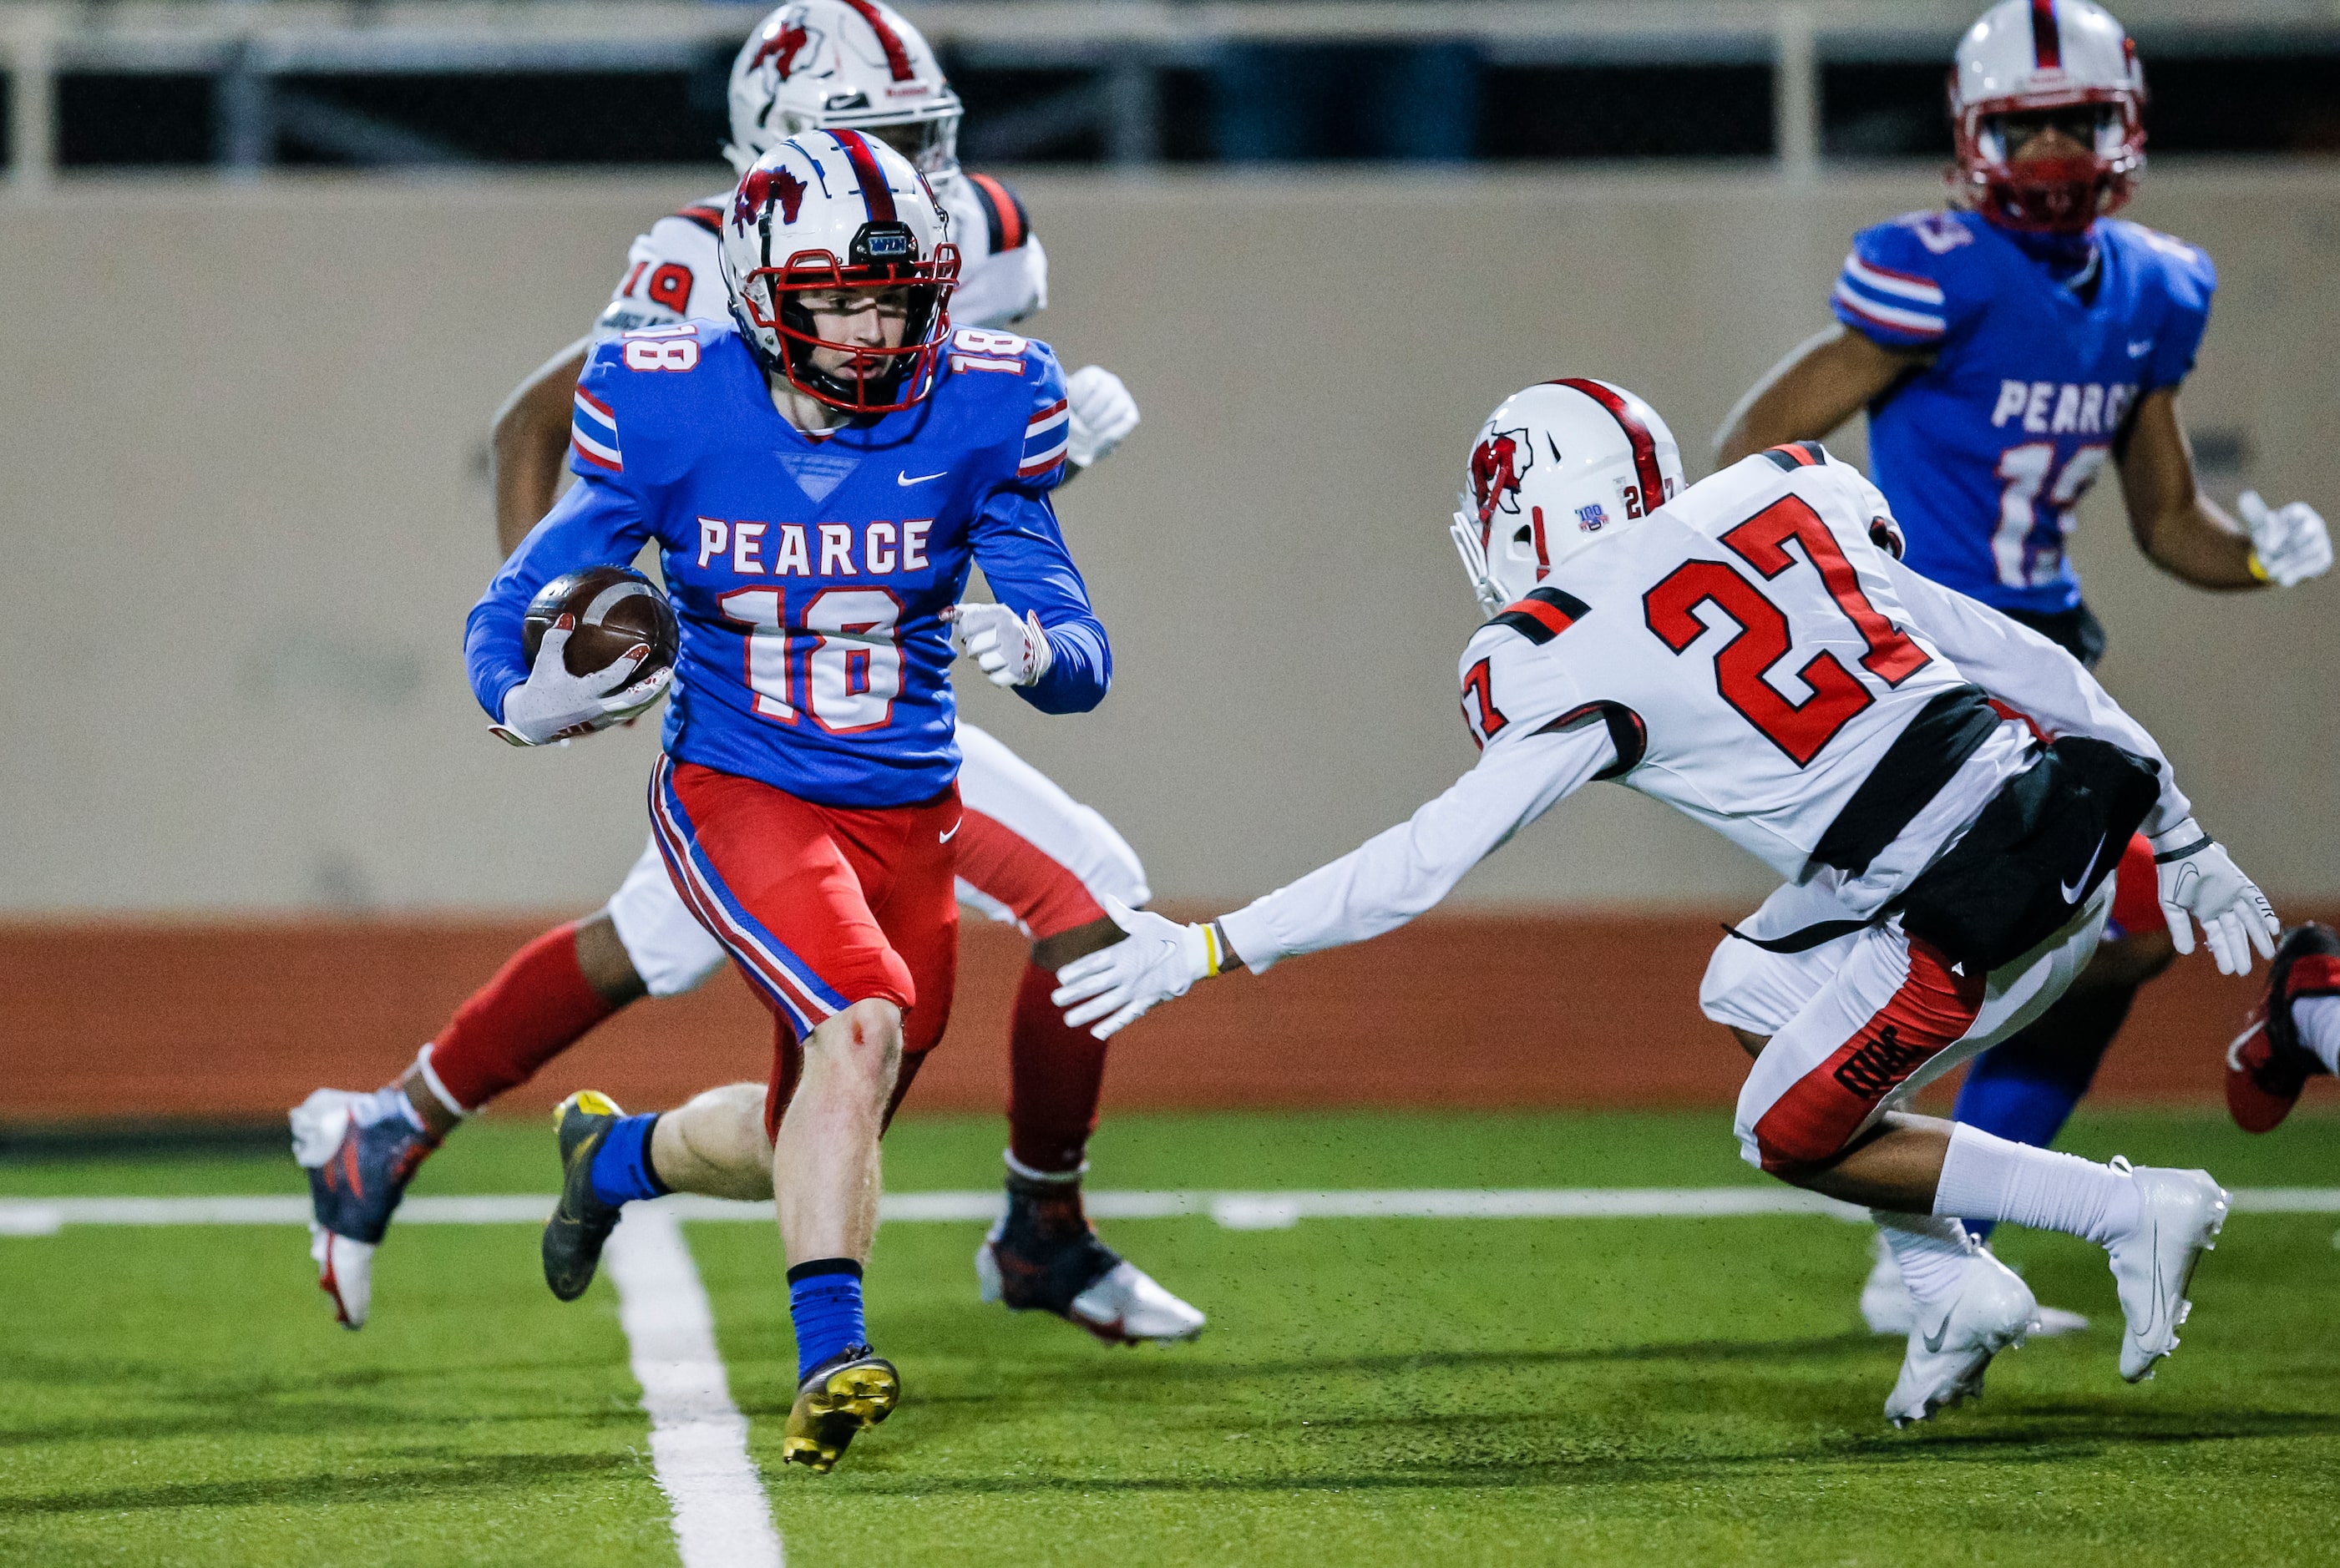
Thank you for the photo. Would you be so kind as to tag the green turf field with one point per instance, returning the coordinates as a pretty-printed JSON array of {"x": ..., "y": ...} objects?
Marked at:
[{"x": 1370, "y": 1391}]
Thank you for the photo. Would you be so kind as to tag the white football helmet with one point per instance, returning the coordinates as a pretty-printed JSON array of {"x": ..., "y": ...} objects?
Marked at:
[
  {"x": 815, "y": 65},
  {"x": 833, "y": 209},
  {"x": 2027, "y": 55},
  {"x": 1554, "y": 469}
]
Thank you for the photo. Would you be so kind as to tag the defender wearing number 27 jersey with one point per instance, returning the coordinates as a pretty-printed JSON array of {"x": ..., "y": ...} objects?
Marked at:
[{"x": 810, "y": 574}]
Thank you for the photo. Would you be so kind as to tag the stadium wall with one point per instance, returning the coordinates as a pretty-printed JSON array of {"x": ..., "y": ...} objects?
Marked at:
[
  {"x": 244, "y": 428},
  {"x": 238, "y": 1021},
  {"x": 252, "y": 819}
]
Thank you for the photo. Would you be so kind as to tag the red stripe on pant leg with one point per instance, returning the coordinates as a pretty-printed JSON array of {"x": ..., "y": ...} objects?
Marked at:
[
  {"x": 1001, "y": 863},
  {"x": 1819, "y": 1114},
  {"x": 537, "y": 1006},
  {"x": 2136, "y": 889}
]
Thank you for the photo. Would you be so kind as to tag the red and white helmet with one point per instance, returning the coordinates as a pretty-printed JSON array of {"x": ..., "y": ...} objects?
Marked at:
[
  {"x": 831, "y": 210},
  {"x": 2026, "y": 55},
  {"x": 816, "y": 65},
  {"x": 1555, "y": 467}
]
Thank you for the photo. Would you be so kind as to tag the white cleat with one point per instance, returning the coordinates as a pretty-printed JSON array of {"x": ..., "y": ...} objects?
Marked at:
[
  {"x": 344, "y": 1272},
  {"x": 2179, "y": 1213},
  {"x": 1127, "y": 1305},
  {"x": 1948, "y": 1356},
  {"x": 1887, "y": 1307}
]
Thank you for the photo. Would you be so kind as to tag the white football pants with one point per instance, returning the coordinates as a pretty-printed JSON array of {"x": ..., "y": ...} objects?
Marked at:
[{"x": 1029, "y": 855}]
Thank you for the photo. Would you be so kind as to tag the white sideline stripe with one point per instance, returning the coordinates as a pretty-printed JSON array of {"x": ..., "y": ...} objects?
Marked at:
[
  {"x": 699, "y": 1439},
  {"x": 1234, "y": 1210}
]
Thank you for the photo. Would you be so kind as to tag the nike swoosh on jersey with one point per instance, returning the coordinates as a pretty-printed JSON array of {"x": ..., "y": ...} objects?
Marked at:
[
  {"x": 904, "y": 476},
  {"x": 2072, "y": 889},
  {"x": 2137, "y": 350},
  {"x": 954, "y": 830}
]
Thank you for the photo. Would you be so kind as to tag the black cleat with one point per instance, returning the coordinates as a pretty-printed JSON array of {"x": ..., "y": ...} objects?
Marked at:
[
  {"x": 856, "y": 1387},
  {"x": 2267, "y": 1066},
  {"x": 581, "y": 1222},
  {"x": 1044, "y": 1255}
]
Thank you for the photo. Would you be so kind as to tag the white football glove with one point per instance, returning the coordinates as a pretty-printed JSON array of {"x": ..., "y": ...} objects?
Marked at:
[
  {"x": 2199, "y": 881},
  {"x": 1012, "y": 651},
  {"x": 1118, "y": 985},
  {"x": 2289, "y": 544},
  {"x": 552, "y": 705},
  {"x": 1103, "y": 414}
]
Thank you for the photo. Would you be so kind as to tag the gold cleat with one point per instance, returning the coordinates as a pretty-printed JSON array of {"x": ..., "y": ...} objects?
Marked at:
[{"x": 855, "y": 1388}]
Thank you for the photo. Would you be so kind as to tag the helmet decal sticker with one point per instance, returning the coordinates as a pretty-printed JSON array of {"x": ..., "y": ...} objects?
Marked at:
[
  {"x": 758, "y": 192},
  {"x": 788, "y": 38},
  {"x": 1497, "y": 464}
]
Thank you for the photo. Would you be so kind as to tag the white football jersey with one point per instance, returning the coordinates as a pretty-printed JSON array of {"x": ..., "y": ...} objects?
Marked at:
[
  {"x": 673, "y": 273},
  {"x": 1744, "y": 643},
  {"x": 1752, "y": 656}
]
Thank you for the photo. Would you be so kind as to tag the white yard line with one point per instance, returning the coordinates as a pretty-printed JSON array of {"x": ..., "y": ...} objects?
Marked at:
[
  {"x": 1234, "y": 1210},
  {"x": 699, "y": 1439}
]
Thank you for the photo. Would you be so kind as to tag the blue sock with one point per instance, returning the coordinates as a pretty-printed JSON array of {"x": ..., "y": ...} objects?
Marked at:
[
  {"x": 622, "y": 1166},
  {"x": 824, "y": 1302}
]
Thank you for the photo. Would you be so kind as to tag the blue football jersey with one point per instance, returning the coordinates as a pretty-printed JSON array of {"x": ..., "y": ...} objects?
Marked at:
[
  {"x": 810, "y": 573},
  {"x": 1985, "y": 453}
]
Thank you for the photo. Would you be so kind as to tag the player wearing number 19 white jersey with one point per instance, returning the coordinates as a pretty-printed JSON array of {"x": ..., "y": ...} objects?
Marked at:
[
  {"x": 1029, "y": 854},
  {"x": 1752, "y": 653}
]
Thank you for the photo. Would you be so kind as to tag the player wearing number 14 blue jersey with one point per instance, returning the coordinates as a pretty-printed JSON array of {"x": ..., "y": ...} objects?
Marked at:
[
  {"x": 820, "y": 476},
  {"x": 2008, "y": 352}
]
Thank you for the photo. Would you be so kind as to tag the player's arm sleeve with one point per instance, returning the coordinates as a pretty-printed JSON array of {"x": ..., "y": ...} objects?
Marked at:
[
  {"x": 1022, "y": 552},
  {"x": 1893, "y": 292},
  {"x": 597, "y": 523},
  {"x": 2028, "y": 673},
  {"x": 1011, "y": 281},
  {"x": 1540, "y": 742},
  {"x": 1398, "y": 874},
  {"x": 2190, "y": 279},
  {"x": 1023, "y": 556}
]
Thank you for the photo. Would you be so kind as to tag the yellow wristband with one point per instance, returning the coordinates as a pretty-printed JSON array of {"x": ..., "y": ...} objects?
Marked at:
[
  {"x": 1212, "y": 960},
  {"x": 2258, "y": 567}
]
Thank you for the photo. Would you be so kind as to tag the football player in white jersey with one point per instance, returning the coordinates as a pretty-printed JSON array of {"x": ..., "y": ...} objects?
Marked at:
[
  {"x": 1029, "y": 853},
  {"x": 1751, "y": 652},
  {"x": 1981, "y": 341}
]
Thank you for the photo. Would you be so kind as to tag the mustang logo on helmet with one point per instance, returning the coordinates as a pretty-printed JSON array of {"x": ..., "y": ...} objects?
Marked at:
[
  {"x": 1497, "y": 464},
  {"x": 758, "y": 190},
  {"x": 783, "y": 40}
]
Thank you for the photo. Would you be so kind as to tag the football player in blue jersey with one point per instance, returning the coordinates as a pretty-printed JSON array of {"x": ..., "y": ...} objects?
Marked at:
[
  {"x": 2006, "y": 350},
  {"x": 805, "y": 802},
  {"x": 1030, "y": 855}
]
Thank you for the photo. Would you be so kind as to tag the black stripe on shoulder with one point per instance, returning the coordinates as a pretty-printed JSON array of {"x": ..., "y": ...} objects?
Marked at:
[
  {"x": 1526, "y": 625},
  {"x": 1627, "y": 733},
  {"x": 707, "y": 218},
  {"x": 991, "y": 225},
  {"x": 1784, "y": 456},
  {"x": 1560, "y": 600}
]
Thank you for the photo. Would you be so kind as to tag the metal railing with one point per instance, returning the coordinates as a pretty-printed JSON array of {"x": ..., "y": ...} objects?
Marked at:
[{"x": 252, "y": 43}]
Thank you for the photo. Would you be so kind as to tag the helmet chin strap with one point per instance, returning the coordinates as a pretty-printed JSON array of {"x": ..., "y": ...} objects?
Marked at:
[{"x": 1465, "y": 535}]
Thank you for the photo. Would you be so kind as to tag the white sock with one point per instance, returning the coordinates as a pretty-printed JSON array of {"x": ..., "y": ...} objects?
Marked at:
[
  {"x": 2318, "y": 1019},
  {"x": 1989, "y": 1177},
  {"x": 1932, "y": 1253},
  {"x": 438, "y": 1089}
]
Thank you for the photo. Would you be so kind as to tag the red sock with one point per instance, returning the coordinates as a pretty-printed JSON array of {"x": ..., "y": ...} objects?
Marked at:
[
  {"x": 1055, "y": 1076},
  {"x": 538, "y": 1006}
]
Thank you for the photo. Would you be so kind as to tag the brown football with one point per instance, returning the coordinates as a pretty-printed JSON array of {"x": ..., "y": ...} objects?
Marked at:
[{"x": 616, "y": 608}]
